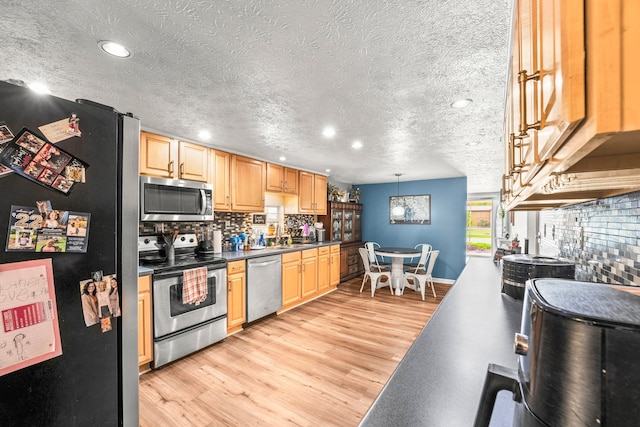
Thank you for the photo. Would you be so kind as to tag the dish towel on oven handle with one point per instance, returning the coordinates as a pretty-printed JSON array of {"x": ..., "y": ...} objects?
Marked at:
[{"x": 194, "y": 285}]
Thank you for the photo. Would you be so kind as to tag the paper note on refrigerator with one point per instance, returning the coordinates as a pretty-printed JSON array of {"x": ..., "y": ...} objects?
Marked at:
[{"x": 29, "y": 331}]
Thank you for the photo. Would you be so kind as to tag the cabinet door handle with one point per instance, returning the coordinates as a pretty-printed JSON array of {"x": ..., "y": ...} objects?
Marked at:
[
  {"x": 170, "y": 167},
  {"x": 523, "y": 78},
  {"x": 181, "y": 170},
  {"x": 516, "y": 142}
]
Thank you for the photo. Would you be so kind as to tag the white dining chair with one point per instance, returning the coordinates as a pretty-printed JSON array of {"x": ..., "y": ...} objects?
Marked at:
[
  {"x": 373, "y": 258},
  {"x": 422, "y": 277},
  {"x": 374, "y": 272},
  {"x": 424, "y": 248}
]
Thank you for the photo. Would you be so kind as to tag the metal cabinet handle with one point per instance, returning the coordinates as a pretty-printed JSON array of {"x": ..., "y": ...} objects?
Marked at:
[
  {"x": 181, "y": 169},
  {"x": 170, "y": 167},
  {"x": 523, "y": 78}
]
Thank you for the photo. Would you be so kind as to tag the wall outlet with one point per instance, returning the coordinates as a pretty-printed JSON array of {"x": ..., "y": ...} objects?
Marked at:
[{"x": 227, "y": 224}]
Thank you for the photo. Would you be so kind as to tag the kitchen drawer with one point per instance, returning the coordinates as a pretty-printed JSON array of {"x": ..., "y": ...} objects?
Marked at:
[
  {"x": 291, "y": 257},
  {"x": 324, "y": 250},
  {"x": 310, "y": 253},
  {"x": 352, "y": 259},
  {"x": 335, "y": 248},
  {"x": 236, "y": 267}
]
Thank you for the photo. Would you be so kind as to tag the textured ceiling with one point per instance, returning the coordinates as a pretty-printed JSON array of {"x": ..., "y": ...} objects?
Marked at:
[{"x": 265, "y": 77}]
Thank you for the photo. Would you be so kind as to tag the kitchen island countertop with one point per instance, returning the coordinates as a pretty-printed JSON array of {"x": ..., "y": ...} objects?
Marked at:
[{"x": 440, "y": 379}]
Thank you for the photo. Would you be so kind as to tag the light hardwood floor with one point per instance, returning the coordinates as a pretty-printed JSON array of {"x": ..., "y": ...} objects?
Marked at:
[{"x": 321, "y": 364}]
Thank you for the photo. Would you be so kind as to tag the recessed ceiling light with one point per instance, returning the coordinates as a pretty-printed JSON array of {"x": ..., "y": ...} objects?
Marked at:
[
  {"x": 327, "y": 170},
  {"x": 39, "y": 88},
  {"x": 356, "y": 145},
  {"x": 329, "y": 132},
  {"x": 283, "y": 158},
  {"x": 461, "y": 103},
  {"x": 204, "y": 134},
  {"x": 473, "y": 143},
  {"x": 114, "y": 49}
]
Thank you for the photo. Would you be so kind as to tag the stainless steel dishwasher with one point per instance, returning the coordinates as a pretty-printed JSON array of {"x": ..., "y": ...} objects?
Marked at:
[{"x": 264, "y": 286}]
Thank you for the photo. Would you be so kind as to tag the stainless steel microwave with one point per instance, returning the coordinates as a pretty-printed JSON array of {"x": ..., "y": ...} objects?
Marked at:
[{"x": 163, "y": 199}]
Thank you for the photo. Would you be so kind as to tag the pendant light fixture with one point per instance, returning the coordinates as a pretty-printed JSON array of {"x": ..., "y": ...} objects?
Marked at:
[{"x": 398, "y": 210}]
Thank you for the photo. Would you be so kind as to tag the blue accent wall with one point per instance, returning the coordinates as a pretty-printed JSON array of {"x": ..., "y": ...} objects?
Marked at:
[{"x": 448, "y": 220}]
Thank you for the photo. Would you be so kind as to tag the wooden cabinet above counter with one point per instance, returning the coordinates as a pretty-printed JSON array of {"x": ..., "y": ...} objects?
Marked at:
[
  {"x": 166, "y": 157},
  {"x": 239, "y": 182},
  {"x": 572, "y": 120}
]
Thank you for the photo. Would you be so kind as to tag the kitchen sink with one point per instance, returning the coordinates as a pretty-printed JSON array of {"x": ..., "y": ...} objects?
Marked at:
[{"x": 294, "y": 245}]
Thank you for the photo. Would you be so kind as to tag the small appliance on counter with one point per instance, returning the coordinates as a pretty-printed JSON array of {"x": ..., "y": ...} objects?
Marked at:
[
  {"x": 578, "y": 349},
  {"x": 518, "y": 268},
  {"x": 320, "y": 231}
]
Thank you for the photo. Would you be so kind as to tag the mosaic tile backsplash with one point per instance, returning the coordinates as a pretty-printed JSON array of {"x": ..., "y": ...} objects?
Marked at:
[
  {"x": 231, "y": 224},
  {"x": 602, "y": 237}
]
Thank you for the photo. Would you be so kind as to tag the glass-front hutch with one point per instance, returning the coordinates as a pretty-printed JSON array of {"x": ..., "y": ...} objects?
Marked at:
[{"x": 343, "y": 223}]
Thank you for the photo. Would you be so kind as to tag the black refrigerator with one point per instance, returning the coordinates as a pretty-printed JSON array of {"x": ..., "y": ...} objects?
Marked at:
[{"x": 79, "y": 159}]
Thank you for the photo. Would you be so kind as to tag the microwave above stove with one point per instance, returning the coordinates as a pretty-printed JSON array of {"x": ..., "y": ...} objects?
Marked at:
[{"x": 163, "y": 199}]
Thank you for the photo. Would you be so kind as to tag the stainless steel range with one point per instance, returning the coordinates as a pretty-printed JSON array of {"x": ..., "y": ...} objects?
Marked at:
[{"x": 182, "y": 328}]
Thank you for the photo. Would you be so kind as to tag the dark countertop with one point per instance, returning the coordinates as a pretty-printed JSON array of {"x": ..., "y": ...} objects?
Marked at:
[
  {"x": 256, "y": 253},
  {"x": 439, "y": 381},
  {"x": 143, "y": 271}
]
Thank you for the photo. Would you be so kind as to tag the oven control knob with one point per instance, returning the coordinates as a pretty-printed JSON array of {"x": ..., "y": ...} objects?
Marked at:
[
  {"x": 146, "y": 241},
  {"x": 521, "y": 344},
  {"x": 191, "y": 240},
  {"x": 182, "y": 239}
]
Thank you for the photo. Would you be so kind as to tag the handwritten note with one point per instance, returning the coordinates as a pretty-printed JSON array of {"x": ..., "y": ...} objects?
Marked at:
[{"x": 29, "y": 331}]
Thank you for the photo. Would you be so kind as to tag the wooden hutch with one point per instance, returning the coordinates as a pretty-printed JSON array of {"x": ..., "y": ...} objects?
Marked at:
[{"x": 343, "y": 223}]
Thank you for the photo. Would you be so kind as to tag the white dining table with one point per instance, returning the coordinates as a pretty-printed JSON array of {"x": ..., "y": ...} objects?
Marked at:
[{"x": 397, "y": 256}]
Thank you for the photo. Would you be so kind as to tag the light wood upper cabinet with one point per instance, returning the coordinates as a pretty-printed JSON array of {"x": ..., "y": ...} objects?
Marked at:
[
  {"x": 158, "y": 155},
  {"x": 572, "y": 121},
  {"x": 236, "y": 295},
  {"x": 248, "y": 178},
  {"x": 145, "y": 327},
  {"x": 166, "y": 157},
  {"x": 220, "y": 177},
  {"x": 546, "y": 100},
  {"x": 194, "y": 162},
  {"x": 281, "y": 179},
  {"x": 312, "y": 193}
]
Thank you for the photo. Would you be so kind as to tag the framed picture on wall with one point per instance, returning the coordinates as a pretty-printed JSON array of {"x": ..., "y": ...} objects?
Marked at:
[{"x": 410, "y": 209}]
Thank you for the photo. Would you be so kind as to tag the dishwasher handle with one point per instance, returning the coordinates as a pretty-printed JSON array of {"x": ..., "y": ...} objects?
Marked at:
[{"x": 262, "y": 264}]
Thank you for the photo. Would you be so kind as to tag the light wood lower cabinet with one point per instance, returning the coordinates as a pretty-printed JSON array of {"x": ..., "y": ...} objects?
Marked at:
[
  {"x": 145, "y": 327},
  {"x": 291, "y": 279},
  {"x": 236, "y": 295},
  {"x": 308, "y": 274},
  {"x": 334, "y": 267}
]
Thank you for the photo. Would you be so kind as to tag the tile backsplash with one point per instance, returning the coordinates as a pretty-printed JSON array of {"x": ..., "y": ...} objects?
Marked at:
[
  {"x": 231, "y": 223},
  {"x": 602, "y": 237}
]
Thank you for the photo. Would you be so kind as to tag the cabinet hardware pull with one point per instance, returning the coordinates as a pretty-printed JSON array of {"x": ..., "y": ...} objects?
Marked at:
[
  {"x": 170, "y": 167},
  {"x": 523, "y": 78},
  {"x": 516, "y": 142},
  {"x": 181, "y": 170}
]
